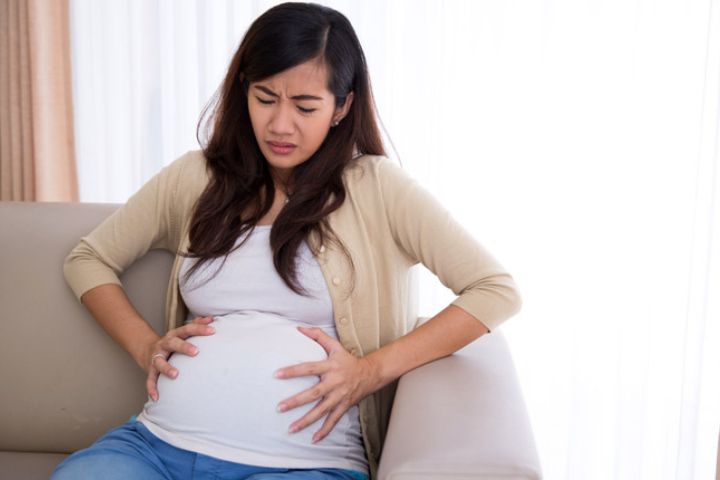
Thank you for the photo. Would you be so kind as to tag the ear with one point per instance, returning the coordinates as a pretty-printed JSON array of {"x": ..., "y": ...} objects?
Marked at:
[{"x": 340, "y": 112}]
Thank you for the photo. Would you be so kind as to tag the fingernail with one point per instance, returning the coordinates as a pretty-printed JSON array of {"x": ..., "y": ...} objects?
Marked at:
[
  {"x": 279, "y": 374},
  {"x": 281, "y": 407},
  {"x": 210, "y": 329},
  {"x": 193, "y": 350},
  {"x": 294, "y": 429},
  {"x": 315, "y": 438}
]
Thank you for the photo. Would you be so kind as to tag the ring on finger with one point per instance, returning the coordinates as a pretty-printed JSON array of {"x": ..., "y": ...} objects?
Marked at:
[{"x": 161, "y": 355}]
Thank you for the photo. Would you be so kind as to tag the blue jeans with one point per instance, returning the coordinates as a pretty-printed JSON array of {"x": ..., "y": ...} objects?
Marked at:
[{"x": 131, "y": 451}]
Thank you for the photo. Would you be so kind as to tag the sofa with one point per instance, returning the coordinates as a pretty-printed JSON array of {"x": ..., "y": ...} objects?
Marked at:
[{"x": 65, "y": 381}]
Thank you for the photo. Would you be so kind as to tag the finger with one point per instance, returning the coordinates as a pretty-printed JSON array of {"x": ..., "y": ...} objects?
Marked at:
[
  {"x": 192, "y": 329},
  {"x": 302, "y": 369},
  {"x": 329, "y": 423},
  {"x": 313, "y": 415},
  {"x": 177, "y": 344},
  {"x": 203, "y": 320},
  {"x": 306, "y": 396},
  {"x": 165, "y": 368},
  {"x": 328, "y": 343},
  {"x": 151, "y": 384}
]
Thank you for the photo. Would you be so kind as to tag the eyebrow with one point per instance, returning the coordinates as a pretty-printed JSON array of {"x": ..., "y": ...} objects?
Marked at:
[{"x": 296, "y": 97}]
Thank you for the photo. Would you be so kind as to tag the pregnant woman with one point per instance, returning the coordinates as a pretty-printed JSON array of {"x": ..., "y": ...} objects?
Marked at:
[{"x": 286, "y": 319}]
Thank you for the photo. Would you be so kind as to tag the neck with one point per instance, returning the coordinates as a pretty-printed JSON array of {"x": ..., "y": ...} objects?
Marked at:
[{"x": 281, "y": 181}]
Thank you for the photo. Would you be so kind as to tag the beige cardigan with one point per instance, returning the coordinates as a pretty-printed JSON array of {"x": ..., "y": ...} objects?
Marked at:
[{"x": 388, "y": 222}]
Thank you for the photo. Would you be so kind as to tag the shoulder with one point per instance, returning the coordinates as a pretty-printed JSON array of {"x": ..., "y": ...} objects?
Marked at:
[
  {"x": 373, "y": 171},
  {"x": 190, "y": 168},
  {"x": 189, "y": 174},
  {"x": 180, "y": 183}
]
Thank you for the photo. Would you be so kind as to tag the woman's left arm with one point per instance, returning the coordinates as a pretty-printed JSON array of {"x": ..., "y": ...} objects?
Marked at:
[
  {"x": 425, "y": 232},
  {"x": 442, "y": 335}
]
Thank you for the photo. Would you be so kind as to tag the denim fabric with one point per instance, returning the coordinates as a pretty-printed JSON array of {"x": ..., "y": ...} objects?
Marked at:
[{"x": 131, "y": 451}]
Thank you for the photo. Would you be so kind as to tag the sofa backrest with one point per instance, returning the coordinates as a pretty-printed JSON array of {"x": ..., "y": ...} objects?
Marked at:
[{"x": 63, "y": 380}]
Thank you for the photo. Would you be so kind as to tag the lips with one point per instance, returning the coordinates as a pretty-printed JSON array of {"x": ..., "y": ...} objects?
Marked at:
[{"x": 281, "y": 148}]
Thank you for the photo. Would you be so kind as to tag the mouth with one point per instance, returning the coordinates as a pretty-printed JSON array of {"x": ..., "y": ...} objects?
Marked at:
[{"x": 281, "y": 148}]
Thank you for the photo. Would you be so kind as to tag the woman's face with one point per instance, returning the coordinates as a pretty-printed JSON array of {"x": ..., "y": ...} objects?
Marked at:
[{"x": 293, "y": 109}]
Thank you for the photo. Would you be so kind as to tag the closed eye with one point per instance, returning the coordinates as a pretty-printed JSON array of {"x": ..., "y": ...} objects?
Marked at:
[{"x": 268, "y": 102}]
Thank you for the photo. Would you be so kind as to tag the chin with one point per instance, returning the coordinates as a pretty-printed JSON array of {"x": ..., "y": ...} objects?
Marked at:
[{"x": 283, "y": 162}]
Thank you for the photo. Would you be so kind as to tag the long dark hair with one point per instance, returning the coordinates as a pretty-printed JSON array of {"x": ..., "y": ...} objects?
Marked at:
[{"x": 283, "y": 37}]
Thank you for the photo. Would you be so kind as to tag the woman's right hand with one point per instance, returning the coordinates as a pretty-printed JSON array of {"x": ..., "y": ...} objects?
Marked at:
[{"x": 173, "y": 341}]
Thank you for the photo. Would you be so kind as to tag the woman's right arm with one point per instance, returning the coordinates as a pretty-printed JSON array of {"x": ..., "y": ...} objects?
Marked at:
[
  {"x": 112, "y": 309},
  {"x": 149, "y": 219},
  {"x": 115, "y": 313}
]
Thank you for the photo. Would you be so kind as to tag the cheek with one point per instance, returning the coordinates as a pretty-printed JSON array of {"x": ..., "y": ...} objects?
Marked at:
[
  {"x": 259, "y": 115},
  {"x": 318, "y": 132},
  {"x": 255, "y": 118}
]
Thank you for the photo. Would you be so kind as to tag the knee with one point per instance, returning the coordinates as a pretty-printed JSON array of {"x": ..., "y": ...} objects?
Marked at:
[
  {"x": 84, "y": 465},
  {"x": 77, "y": 467}
]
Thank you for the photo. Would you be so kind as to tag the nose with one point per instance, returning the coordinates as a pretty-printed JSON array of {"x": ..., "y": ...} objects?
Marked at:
[{"x": 281, "y": 122}]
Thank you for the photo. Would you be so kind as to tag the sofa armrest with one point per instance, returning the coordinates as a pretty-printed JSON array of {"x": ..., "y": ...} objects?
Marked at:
[{"x": 461, "y": 417}]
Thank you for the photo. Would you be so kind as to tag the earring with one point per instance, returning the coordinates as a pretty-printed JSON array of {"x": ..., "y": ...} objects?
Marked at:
[{"x": 336, "y": 123}]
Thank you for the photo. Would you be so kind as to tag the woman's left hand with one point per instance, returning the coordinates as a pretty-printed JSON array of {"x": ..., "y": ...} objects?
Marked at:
[{"x": 344, "y": 380}]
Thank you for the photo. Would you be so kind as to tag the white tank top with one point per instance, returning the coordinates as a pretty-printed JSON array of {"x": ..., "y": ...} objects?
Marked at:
[{"x": 223, "y": 401}]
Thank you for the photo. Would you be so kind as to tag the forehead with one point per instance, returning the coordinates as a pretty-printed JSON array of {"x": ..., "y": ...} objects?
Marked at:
[{"x": 309, "y": 78}]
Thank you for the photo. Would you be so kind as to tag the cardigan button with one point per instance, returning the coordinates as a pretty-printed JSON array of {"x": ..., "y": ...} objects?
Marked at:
[
  {"x": 336, "y": 281},
  {"x": 343, "y": 320}
]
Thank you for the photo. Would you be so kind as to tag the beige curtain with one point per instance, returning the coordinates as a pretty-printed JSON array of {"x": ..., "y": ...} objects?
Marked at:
[{"x": 37, "y": 146}]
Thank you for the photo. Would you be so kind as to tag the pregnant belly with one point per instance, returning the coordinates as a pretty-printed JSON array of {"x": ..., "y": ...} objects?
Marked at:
[{"x": 227, "y": 393}]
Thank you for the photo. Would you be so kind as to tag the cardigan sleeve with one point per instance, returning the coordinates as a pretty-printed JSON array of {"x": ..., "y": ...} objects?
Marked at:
[
  {"x": 426, "y": 232},
  {"x": 144, "y": 222}
]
